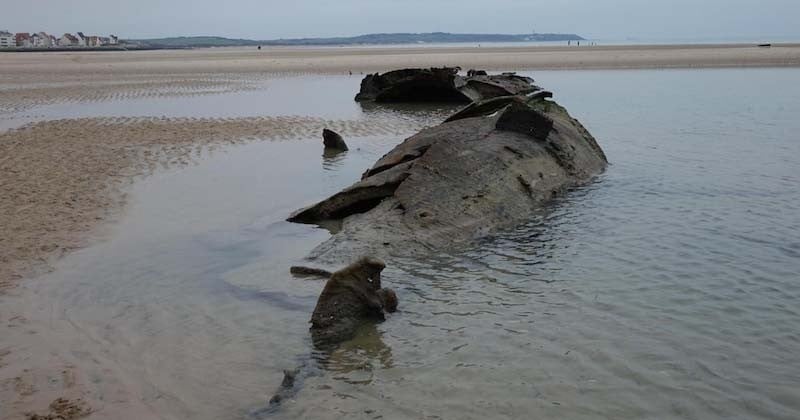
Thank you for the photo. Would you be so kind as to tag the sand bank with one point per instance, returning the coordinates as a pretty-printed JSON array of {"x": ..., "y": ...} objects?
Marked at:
[
  {"x": 54, "y": 67},
  {"x": 34, "y": 79},
  {"x": 61, "y": 181},
  {"x": 60, "y": 178}
]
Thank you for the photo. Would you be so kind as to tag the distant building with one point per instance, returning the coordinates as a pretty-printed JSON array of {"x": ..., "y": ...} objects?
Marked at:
[
  {"x": 23, "y": 40},
  {"x": 7, "y": 40},
  {"x": 42, "y": 40},
  {"x": 68, "y": 40}
]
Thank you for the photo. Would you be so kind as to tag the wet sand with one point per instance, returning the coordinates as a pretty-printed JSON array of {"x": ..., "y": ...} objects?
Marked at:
[
  {"x": 41, "y": 179},
  {"x": 62, "y": 178},
  {"x": 358, "y": 59},
  {"x": 36, "y": 78},
  {"x": 70, "y": 152}
]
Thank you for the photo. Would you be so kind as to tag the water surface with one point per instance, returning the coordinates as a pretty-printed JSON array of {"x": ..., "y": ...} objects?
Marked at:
[{"x": 665, "y": 289}]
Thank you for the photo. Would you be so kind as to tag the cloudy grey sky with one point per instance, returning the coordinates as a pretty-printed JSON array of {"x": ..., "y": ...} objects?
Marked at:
[{"x": 266, "y": 19}]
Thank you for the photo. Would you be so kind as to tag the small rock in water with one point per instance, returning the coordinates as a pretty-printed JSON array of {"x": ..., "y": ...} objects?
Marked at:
[{"x": 332, "y": 140}]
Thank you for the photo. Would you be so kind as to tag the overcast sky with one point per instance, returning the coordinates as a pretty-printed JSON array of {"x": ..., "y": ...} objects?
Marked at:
[{"x": 267, "y": 19}]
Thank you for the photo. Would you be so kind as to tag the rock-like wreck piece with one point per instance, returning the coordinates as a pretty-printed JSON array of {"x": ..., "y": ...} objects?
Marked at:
[
  {"x": 441, "y": 85},
  {"x": 333, "y": 141},
  {"x": 490, "y": 166},
  {"x": 351, "y": 296}
]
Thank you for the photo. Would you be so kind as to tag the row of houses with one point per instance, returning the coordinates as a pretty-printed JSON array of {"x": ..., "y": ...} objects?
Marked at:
[{"x": 44, "y": 40}]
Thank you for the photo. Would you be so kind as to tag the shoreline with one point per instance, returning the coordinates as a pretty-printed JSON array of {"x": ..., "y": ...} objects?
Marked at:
[
  {"x": 406, "y": 46},
  {"x": 28, "y": 81},
  {"x": 39, "y": 66}
]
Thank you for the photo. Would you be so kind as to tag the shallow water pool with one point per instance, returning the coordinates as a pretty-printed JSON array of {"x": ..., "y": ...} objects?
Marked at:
[{"x": 665, "y": 289}]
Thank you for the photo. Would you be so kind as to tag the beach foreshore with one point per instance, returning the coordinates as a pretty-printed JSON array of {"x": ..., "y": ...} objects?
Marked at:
[
  {"x": 62, "y": 180},
  {"x": 40, "y": 186},
  {"x": 60, "y": 65}
]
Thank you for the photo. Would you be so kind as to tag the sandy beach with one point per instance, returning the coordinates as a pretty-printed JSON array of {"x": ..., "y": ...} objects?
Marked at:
[
  {"x": 34, "y": 79},
  {"x": 39, "y": 213},
  {"x": 63, "y": 180},
  {"x": 39, "y": 198},
  {"x": 215, "y": 61}
]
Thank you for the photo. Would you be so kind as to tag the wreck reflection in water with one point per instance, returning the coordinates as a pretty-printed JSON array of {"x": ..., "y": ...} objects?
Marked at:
[
  {"x": 333, "y": 159},
  {"x": 355, "y": 360}
]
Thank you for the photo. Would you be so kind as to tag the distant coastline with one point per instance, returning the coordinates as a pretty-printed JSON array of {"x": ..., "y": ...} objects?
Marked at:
[{"x": 370, "y": 39}]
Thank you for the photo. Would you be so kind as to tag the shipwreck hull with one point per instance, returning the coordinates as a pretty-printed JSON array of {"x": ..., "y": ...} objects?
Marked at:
[
  {"x": 488, "y": 167},
  {"x": 440, "y": 85}
]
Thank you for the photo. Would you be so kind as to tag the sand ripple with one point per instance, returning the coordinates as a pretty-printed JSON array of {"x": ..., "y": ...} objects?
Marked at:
[
  {"x": 17, "y": 98},
  {"x": 59, "y": 179}
]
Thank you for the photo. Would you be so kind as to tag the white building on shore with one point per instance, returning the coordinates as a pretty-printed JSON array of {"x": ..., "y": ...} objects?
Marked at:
[
  {"x": 7, "y": 40},
  {"x": 42, "y": 40},
  {"x": 68, "y": 40}
]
